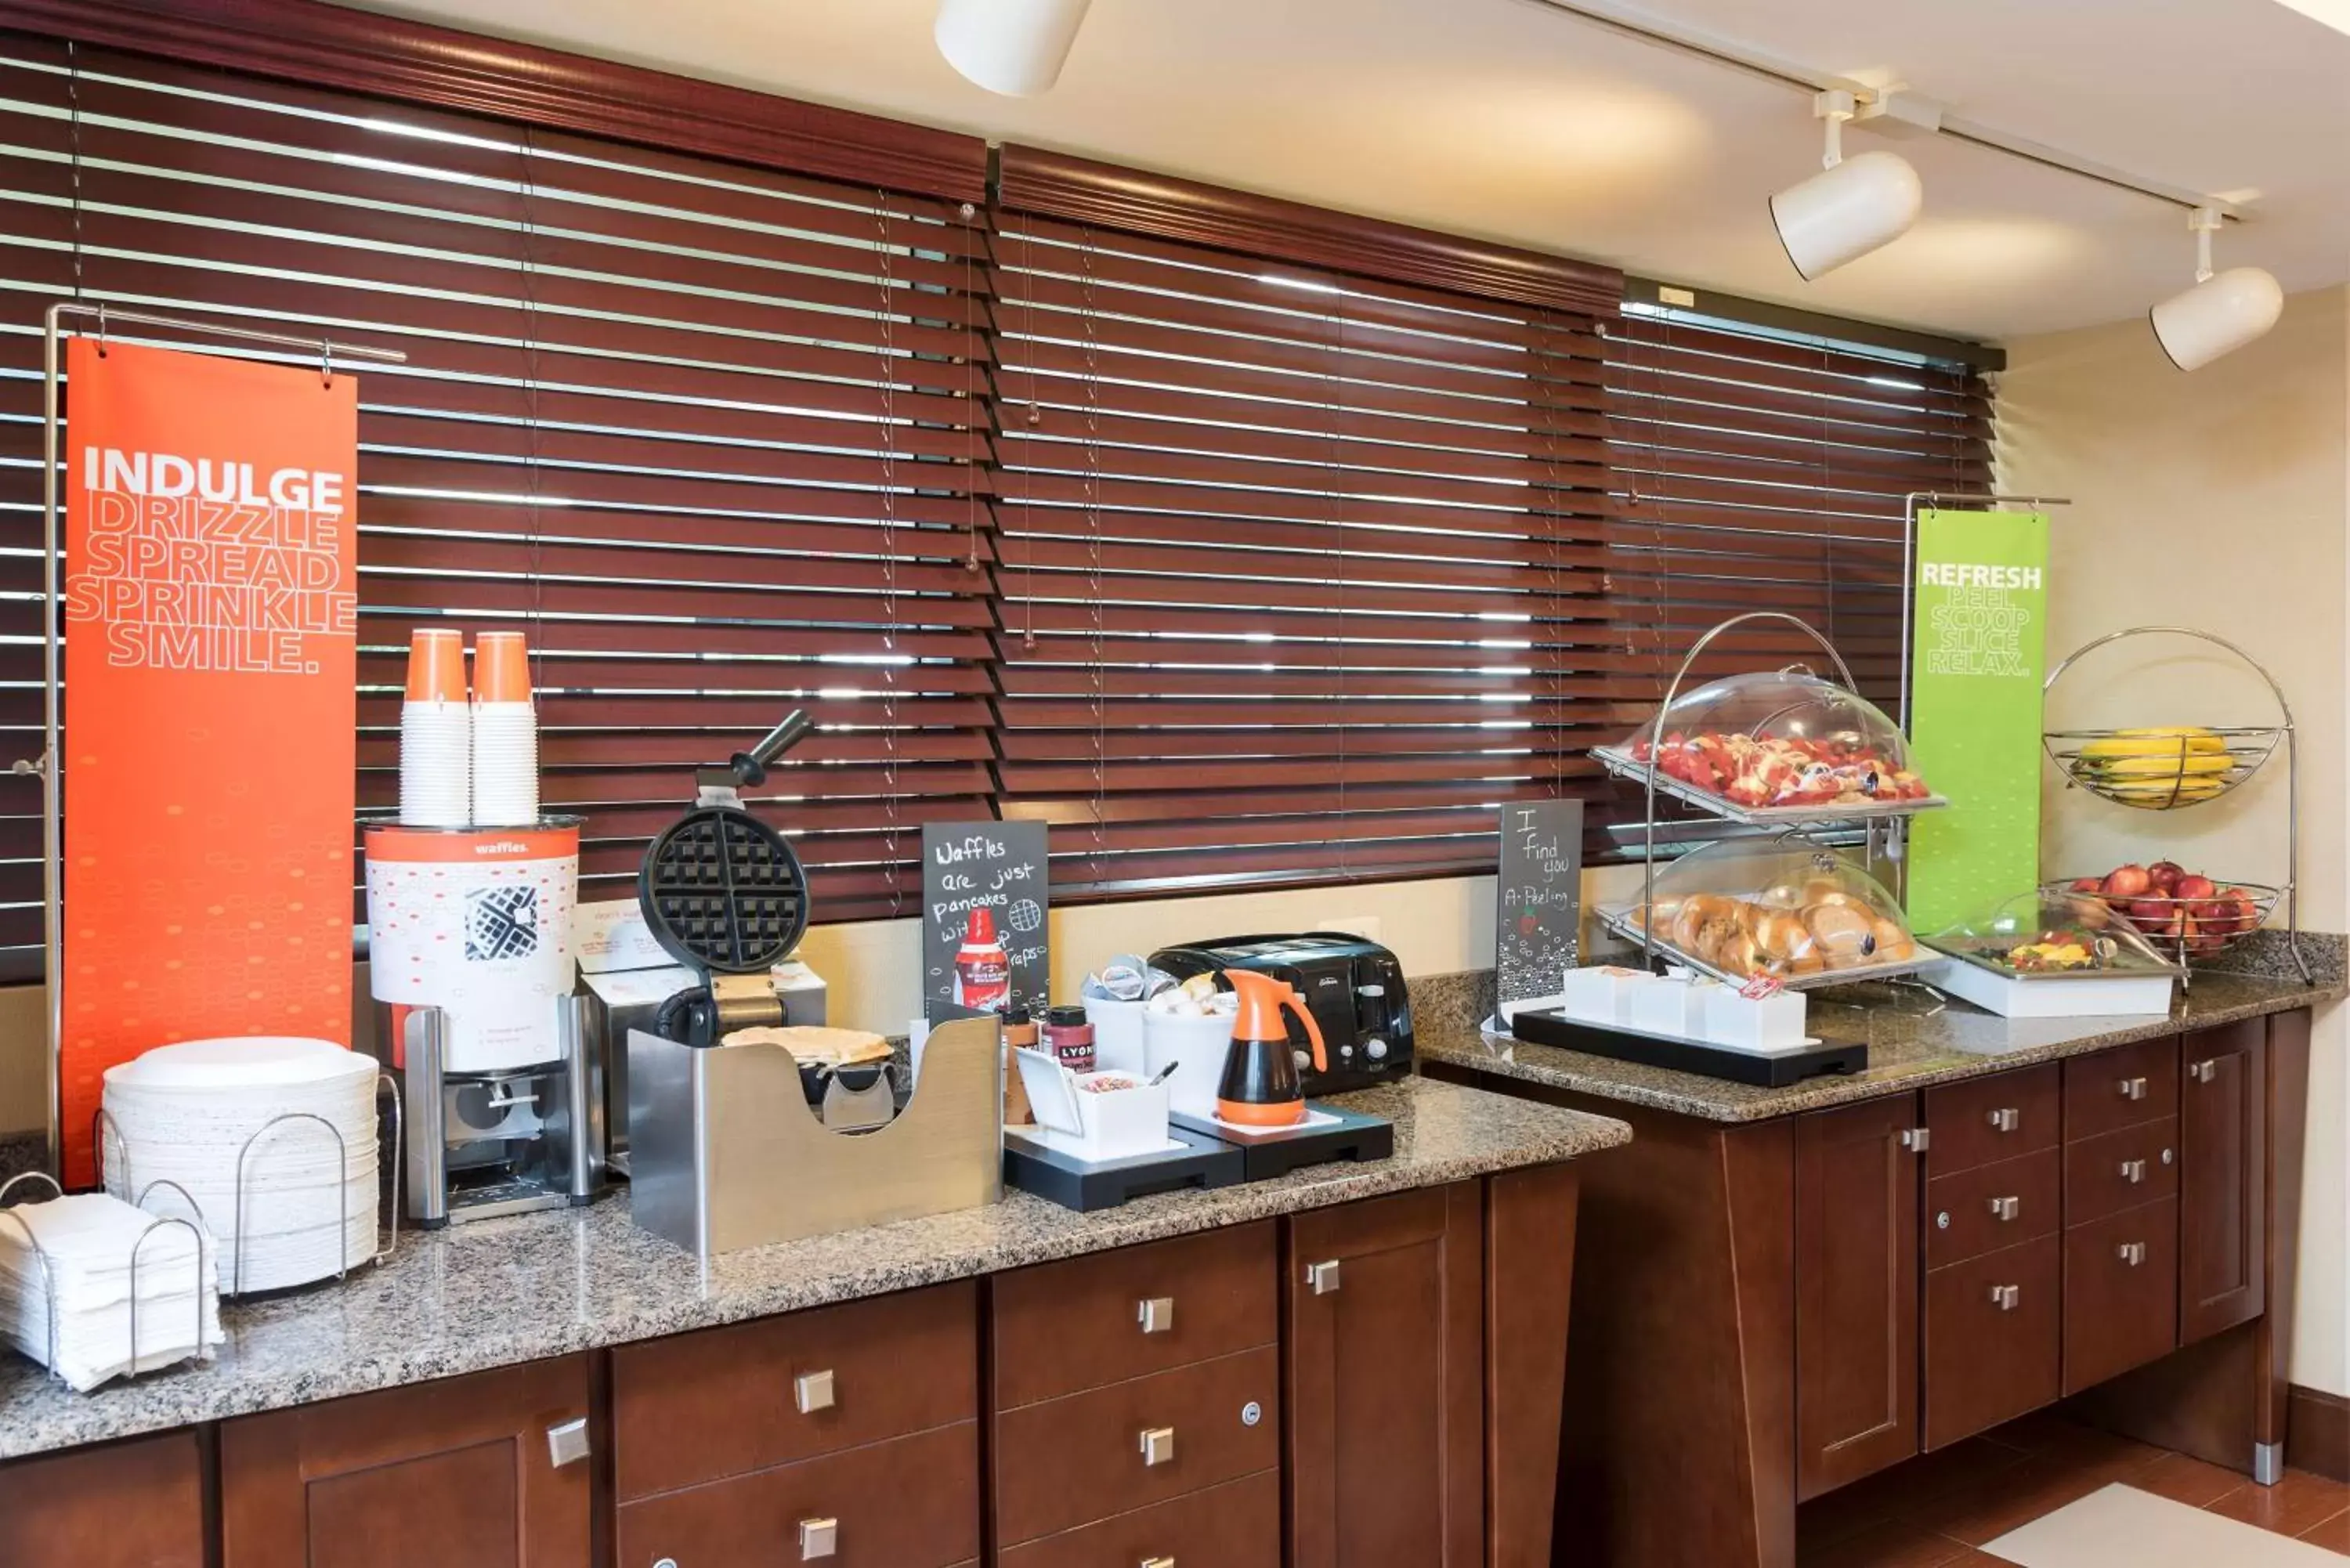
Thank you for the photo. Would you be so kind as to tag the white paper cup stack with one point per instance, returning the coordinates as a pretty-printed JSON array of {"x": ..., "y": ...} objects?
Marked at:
[
  {"x": 505, "y": 733},
  {"x": 185, "y": 1112},
  {"x": 435, "y": 734}
]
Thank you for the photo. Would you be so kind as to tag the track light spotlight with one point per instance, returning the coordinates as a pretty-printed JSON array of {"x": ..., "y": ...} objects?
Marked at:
[
  {"x": 1850, "y": 208},
  {"x": 1015, "y": 47},
  {"x": 2222, "y": 312}
]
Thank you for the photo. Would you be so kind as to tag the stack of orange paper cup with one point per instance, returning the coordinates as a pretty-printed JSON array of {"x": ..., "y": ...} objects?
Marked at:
[
  {"x": 505, "y": 733},
  {"x": 435, "y": 734}
]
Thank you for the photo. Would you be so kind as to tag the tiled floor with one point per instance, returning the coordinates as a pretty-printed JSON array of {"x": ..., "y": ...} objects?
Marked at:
[{"x": 1935, "y": 1511}]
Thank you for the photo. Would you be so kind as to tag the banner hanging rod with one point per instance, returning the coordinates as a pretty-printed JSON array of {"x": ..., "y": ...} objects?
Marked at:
[{"x": 326, "y": 348}]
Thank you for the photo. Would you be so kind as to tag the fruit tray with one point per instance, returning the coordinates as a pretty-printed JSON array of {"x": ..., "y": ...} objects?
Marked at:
[
  {"x": 2197, "y": 924},
  {"x": 1624, "y": 765},
  {"x": 2162, "y": 769}
]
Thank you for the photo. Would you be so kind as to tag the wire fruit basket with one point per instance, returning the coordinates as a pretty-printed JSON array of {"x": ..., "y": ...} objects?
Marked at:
[
  {"x": 2162, "y": 769},
  {"x": 2174, "y": 766},
  {"x": 2181, "y": 928}
]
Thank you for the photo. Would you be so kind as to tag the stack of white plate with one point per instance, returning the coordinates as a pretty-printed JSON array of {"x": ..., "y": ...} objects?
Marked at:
[
  {"x": 185, "y": 1112},
  {"x": 79, "y": 1306}
]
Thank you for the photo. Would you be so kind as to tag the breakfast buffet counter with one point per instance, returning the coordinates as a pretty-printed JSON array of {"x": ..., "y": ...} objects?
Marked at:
[
  {"x": 501, "y": 1291},
  {"x": 1917, "y": 1039}
]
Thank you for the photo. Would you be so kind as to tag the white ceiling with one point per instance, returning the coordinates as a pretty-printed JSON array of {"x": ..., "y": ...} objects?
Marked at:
[{"x": 1507, "y": 120}]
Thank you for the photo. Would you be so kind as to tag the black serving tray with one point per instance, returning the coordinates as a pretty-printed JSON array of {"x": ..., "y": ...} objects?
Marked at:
[
  {"x": 1549, "y": 1026},
  {"x": 1203, "y": 1162},
  {"x": 1277, "y": 1151}
]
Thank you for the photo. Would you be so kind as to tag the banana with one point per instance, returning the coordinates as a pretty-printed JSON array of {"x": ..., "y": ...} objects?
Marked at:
[
  {"x": 2169, "y": 767},
  {"x": 2167, "y": 741}
]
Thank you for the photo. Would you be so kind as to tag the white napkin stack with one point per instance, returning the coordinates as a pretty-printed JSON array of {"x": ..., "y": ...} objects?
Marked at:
[
  {"x": 184, "y": 1113},
  {"x": 89, "y": 1240}
]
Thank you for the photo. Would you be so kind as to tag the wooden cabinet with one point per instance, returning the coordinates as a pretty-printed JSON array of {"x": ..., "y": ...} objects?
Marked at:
[
  {"x": 2223, "y": 1161},
  {"x": 721, "y": 1402},
  {"x": 1384, "y": 1301},
  {"x": 1236, "y": 1525},
  {"x": 909, "y": 1502},
  {"x": 136, "y": 1504},
  {"x": 481, "y": 1472},
  {"x": 2121, "y": 1292},
  {"x": 1856, "y": 1198},
  {"x": 1128, "y": 1388},
  {"x": 1993, "y": 1339}
]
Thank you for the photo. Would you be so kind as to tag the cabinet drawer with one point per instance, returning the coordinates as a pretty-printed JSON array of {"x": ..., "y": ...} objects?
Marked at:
[
  {"x": 1994, "y": 1334},
  {"x": 1992, "y": 1206},
  {"x": 724, "y": 1401},
  {"x": 1070, "y": 1461},
  {"x": 1993, "y": 1119},
  {"x": 1064, "y": 1327},
  {"x": 2121, "y": 1292},
  {"x": 2122, "y": 1169},
  {"x": 2115, "y": 1088},
  {"x": 911, "y": 1502},
  {"x": 1236, "y": 1525}
]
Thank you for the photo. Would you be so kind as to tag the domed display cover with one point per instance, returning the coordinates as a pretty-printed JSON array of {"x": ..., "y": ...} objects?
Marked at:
[
  {"x": 2051, "y": 932},
  {"x": 1784, "y": 746},
  {"x": 1794, "y": 910}
]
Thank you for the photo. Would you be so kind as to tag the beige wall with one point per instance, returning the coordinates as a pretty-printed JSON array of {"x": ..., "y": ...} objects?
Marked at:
[{"x": 2219, "y": 499}]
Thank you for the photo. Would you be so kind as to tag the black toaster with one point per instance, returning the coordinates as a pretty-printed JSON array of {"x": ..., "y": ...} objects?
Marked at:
[{"x": 1354, "y": 988}]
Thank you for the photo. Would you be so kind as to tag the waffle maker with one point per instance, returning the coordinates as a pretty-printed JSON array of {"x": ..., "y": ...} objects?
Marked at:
[{"x": 725, "y": 896}]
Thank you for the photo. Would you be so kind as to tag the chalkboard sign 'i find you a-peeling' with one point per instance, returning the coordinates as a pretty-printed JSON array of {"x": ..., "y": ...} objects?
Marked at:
[
  {"x": 984, "y": 899},
  {"x": 1540, "y": 893}
]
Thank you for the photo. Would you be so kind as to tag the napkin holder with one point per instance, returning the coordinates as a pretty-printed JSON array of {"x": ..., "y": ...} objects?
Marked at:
[
  {"x": 206, "y": 1270},
  {"x": 725, "y": 1153}
]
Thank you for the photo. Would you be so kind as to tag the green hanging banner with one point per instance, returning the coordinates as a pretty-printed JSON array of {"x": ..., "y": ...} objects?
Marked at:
[{"x": 1977, "y": 660}]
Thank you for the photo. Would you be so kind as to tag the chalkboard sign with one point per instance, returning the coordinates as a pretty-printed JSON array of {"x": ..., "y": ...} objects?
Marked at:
[
  {"x": 999, "y": 866},
  {"x": 1540, "y": 897}
]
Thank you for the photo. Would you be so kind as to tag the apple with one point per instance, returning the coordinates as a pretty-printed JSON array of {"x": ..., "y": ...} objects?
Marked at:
[
  {"x": 2128, "y": 882},
  {"x": 2085, "y": 885},
  {"x": 2152, "y": 914},
  {"x": 2192, "y": 886},
  {"x": 2165, "y": 875}
]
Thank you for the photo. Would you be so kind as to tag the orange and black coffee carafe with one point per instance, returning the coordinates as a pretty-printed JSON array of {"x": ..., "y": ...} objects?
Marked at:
[{"x": 1260, "y": 1086}]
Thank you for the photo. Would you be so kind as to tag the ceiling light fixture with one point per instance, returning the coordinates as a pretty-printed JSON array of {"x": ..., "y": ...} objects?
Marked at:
[
  {"x": 2222, "y": 312},
  {"x": 1015, "y": 47},
  {"x": 1853, "y": 206}
]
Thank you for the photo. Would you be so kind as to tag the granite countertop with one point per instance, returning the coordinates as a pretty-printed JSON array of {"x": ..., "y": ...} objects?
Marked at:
[
  {"x": 535, "y": 1285},
  {"x": 1917, "y": 1038}
]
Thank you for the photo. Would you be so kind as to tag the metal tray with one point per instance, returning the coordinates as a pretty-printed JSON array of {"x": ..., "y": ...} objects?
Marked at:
[
  {"x": 1615, "y": 921},
  {"x": 1623, "y": 766},
  {"x": 2031, "y": 975}
]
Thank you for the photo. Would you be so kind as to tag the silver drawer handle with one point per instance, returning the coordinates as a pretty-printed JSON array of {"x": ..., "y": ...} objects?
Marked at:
[
  {"x": 1155, "y": 1315},
  {"x": 567, "y": 1442},
  {"x": 812, "y": 1391},
  {"x": 2133, "y": 1172},
  {"x": 1159, "y": 1562},
  {"x": 1158, "y": 1446},
  {"x": 2004, "y": 1297},
  {"x": 2204, "y": 1072},
  {"x": 2006, "y": 1119},
  {"x": 818, "y": 1538},
  {"x": 1323, "y": 1277},
  {"x": 2131, "y": 1088},
  {"x": 2006, "y": 1208},
  {"x": 1916, "y": 1140},
  {"x": 2131, "y": 1252}
]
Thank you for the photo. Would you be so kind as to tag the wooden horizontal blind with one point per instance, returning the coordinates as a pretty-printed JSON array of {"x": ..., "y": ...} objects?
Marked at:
[
  {"x": 712, "y": 435},
  {"x": 1754, "y": 472},
  {"x": 1296, "y": 565}
]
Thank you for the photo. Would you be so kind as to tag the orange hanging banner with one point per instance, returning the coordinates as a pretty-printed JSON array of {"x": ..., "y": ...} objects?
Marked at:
[{"x": 211, "y": 680}]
